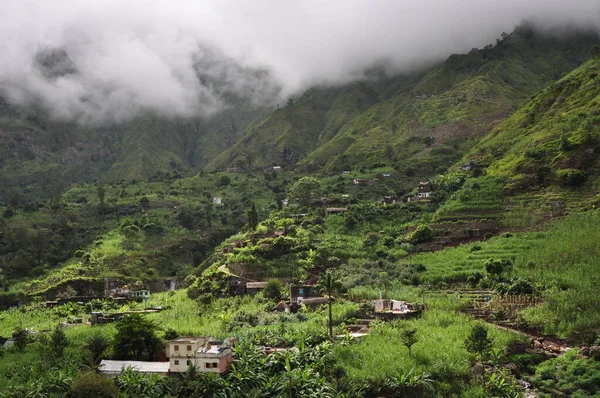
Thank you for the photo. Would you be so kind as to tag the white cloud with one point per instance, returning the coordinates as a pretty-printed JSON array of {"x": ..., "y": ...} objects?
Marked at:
[{"x": 140, "y": 55}]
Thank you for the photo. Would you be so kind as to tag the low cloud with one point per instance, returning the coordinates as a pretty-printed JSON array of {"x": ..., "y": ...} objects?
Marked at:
[{"x": 188, "y": 58}]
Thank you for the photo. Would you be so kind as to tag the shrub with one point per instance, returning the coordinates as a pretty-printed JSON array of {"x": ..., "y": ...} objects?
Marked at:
[
  {"x": 273, "y": 289},
  {"x": 478, "y": 341},
  {"x": 423, "y": 233},
  {"x": 571, "y": 177},
  {"x": 93, "y": 385},
  {"x": 8, "y": 213}
]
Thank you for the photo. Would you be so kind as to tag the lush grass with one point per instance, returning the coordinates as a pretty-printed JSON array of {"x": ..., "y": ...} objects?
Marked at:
[{"x": 439, "y": 350}]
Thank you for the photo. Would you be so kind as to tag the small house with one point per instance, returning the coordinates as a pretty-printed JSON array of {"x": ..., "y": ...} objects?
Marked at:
[
  {"x": 335, "y": 210},
  {"x": 469, "y": 166},
  {"x": 395, "y": 309},
  {"x": 252, "y": 288},
  {"x": 218, "y": 201},
  {"x": 170, "y": 284},
  {"x": 142, "y": 294},
  {"x": 299, "y": 293},
  {"x": 235, "y": 170}
]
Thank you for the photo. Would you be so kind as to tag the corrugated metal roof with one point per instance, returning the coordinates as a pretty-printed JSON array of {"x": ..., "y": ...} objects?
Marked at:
[
  {"x": 116, "y": 367},
  {"x": 256, "y": 285}
]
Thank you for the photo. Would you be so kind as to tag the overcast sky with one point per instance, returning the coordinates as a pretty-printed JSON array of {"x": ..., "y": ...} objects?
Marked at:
[{"x": 136, "y": 55}]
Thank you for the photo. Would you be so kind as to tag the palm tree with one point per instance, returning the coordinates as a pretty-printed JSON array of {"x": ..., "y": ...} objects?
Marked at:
[{"x": 330, "y": 283}]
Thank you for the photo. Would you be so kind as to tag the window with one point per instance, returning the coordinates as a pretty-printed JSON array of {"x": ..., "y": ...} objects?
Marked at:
[
  {"x": 212, "y": 365},
  {"x": 189, "y": 348},
  {"x": 176, "y": 348},
  {"x": 188, "y": 362},
  {"x": 215, "y": 365},
  {"x": 176, "y": 362}
]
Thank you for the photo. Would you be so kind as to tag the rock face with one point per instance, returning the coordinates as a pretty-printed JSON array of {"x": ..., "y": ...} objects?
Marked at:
[{"x": 590, "y": 352}]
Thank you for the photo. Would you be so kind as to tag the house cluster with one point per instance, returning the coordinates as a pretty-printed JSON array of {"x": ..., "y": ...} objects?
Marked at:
[
  {"x": 203, "y": 353},
  {"x": 306, "y": 295},
  {"x": 117, "y": 289}
]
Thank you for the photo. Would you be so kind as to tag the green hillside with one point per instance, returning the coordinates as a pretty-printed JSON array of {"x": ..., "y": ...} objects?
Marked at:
[
  {"x": 543, "y": 159},
  {"x": 420, "y": 123}
]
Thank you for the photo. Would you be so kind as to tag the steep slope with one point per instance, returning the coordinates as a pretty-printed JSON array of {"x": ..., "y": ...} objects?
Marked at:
[
  {"x": 542, "y": 161},
  {"x": 288, "y": 134},
  {"x": 417, "y": 124},
  {"x": 37, "y": 152}
]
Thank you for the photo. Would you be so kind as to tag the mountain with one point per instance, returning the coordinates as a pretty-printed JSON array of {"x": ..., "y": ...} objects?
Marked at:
[
  {"x": 418, "y": 123},
  {"x": 542, "y": 161}
]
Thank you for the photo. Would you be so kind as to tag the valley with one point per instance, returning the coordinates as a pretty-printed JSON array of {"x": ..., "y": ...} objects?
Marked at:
[{"x": 469, "y": 189}]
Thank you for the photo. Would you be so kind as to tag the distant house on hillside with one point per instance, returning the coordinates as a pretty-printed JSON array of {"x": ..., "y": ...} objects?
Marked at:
[
  {"x": 252, "y": 288},
  {"x": 216, "y": 200},
  {"x": 363, "y": 182},
  {"x": 468, "y": 166},
  {"x": 335, "y": 210}
]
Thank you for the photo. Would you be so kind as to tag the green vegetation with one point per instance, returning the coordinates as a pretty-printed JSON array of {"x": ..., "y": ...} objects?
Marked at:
[{"x": 503, "y": 154}]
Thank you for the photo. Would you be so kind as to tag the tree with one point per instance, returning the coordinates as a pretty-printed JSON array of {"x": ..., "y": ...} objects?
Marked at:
[
  {"x": 101, "y": 192},
  {"x": 97, "y": 344},
  {"x": 496, "y": 267},
  {"x": 136, "y": 339},
  {"x": 273, "y": 289},
  {"x": 58, "y": 342},
  {"x": 305, "y": 190},
  {"x": 408, "y": 338},
  {"x": 330, "y": 283},
  {"x": 252, "y": 217},
  {"x": 224, "y": 181},
  {"x": 478, "y": 341},
  {"x": 14, "y": 197},
  {"x": 93, "y": 385},
  {"x": 20, "y": 338}
]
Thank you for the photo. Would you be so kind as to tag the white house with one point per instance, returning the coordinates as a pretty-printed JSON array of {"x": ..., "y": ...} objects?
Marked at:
[{"x": 203, "y": 353}]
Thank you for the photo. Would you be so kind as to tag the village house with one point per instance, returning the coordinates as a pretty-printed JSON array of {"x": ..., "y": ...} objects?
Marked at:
[
  {"x": 205, "y": 354},
  {"x": 235, "y": 170},
  {"x": 252, "y": 288},
  {"x": 299, "y": 293},
  {"x": 468, "y": 166},
  {"x": 218, "y": 201},
  {"x": 335, "y": 210},
  {"x": 394, "y": 309},
  {"x": 364, "y": 182}
]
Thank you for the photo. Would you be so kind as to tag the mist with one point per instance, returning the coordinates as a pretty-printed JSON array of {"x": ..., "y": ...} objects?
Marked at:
[{"x": 95, "y": 61}]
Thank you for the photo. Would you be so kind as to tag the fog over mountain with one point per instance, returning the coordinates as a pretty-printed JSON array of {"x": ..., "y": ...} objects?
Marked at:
[{"x": 108, "y": 60}]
